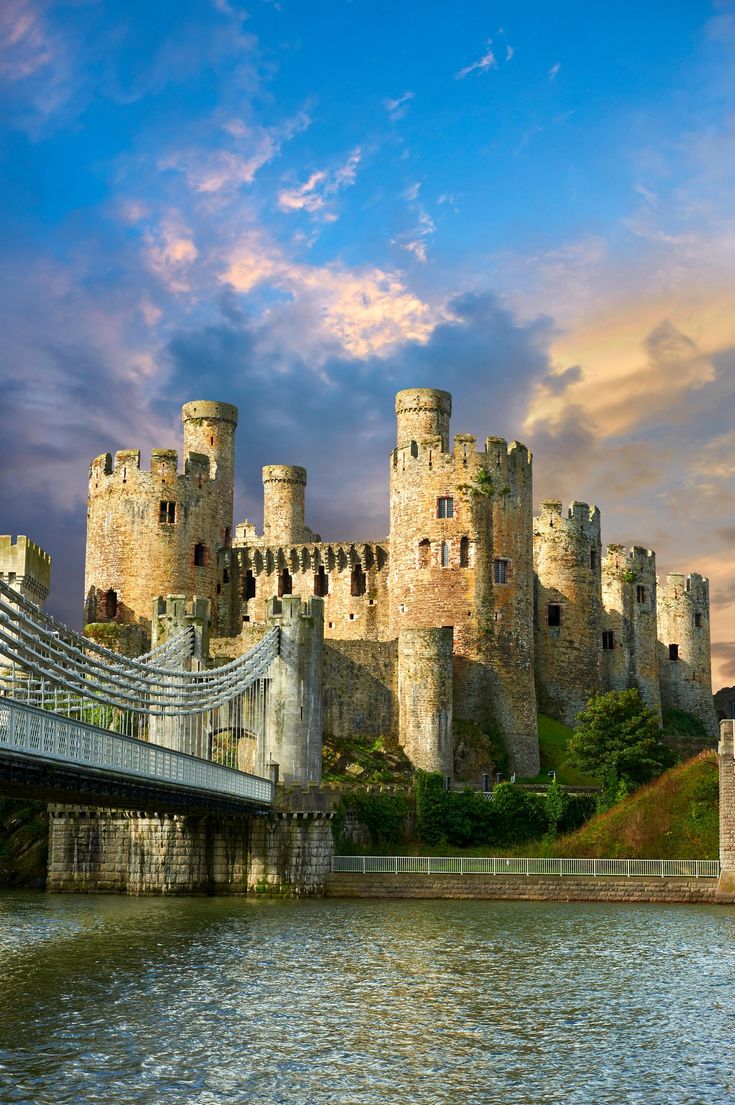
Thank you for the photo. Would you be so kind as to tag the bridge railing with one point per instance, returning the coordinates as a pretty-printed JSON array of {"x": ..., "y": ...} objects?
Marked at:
[
  {"x": 532, "y": 865},
  {"x": 49, "y": 737}
]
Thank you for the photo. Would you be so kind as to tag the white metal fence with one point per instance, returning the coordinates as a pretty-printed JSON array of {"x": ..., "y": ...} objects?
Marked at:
[
  {"x": 43, "y": 735},
  {"x": 512, "y": 865}
]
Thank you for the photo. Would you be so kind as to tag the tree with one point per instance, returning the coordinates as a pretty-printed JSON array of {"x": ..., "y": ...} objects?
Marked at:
[{"x": 618, "y": 738}]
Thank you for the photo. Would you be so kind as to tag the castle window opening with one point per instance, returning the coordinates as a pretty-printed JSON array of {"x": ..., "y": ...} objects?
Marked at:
[
  {"x": 211, "y": 441},
  {"x": 352, "y": 617},
  {"x": 501, "y": 571},
  {"x": 228, "y": 536},
  {"x": 608, "y": 640},
  {"x": 225, "y": 575},
  {"x": 167, "y": 513},
  {"x": 110, "y": 604},
  {"x": 641, "y": 595},
  {"x": 445, "y": 507},
  {"x": 554, "y": 614},
  {"x": 464, "y": 552},
  {"x": 200, "y": 555},
  {"x": 358, "y": 582},
  {"x": 285, "y": 583},
  {"x": 698, "y": 620},
  {"x": 445, "y": 554},
  {"x": 330, "y": 625},
  {"x": 321, "y": 583},
  {"x": 593, "y": 559},
  {"x": 249, "y": 585},
  {"x": 673, "y": 652},
  {"x": 424, "y": 553},
  {"x": 245, "y": 618}
]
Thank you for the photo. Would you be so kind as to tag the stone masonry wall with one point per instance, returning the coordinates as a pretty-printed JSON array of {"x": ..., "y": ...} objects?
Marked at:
[
  {"x": 535, "y": 888},
  {"x": 727, "y": 804},
  {"x": 425, "y": 698},
  {"x": 360, "y": 688},
  {"x": 106, "y": 851}
]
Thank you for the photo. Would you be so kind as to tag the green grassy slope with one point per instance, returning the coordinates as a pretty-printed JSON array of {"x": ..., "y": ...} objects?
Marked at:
[{"x": 674, "y": 817}]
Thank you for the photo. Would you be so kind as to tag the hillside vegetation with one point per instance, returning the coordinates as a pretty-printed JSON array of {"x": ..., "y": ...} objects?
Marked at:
[
  {"x": 674, "y": 817},
  {"x": 23, "y": 843}
]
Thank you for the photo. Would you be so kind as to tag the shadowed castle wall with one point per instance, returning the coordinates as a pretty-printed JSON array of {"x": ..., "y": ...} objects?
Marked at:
[{"x": 684, "y": 647}]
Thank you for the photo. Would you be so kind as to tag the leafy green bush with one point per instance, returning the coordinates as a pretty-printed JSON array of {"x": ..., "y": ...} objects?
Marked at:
[{"x": 384, "y": 815}]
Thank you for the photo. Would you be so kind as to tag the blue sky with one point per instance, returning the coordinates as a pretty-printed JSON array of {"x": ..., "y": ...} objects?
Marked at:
[{"x": 302, "y": 207}]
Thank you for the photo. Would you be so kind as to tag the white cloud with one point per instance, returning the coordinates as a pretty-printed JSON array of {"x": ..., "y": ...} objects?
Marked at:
[
  {"x": 414, "y": 241},
  {"x": 398, "y": 108},
  {"x": 487, "y": 61},
  {"x": 317, "y": 192},
  {"x": 364, "y": 310},
  {"x": 553, "y": 72},
  {"x": 170, "y": 253}
]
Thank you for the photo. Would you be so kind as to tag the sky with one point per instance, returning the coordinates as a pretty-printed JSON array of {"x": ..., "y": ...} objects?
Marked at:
[{"x": 301, "y": 207}]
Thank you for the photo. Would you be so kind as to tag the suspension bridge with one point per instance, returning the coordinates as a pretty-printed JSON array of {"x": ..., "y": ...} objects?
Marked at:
[{"x": 82, "y": 724}]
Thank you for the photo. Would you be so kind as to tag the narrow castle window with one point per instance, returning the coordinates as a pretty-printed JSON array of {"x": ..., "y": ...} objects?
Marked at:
[
  {"x": 554, "y": 614},
  {"x": 424, "y": 553},
  {"x": 445, "y": 507},
  {"x": 248, "y": 591},
  {"x": 445, "y": 554},
  {"x": 167, "y": 513},
  {"x": 228, "y": 536},
  {"x": 501, "y": 571},
  {"x": 698, "y": 620},
  {"x": 110, "y": 604},
  {"x": 200, "y": 555},
  {"x": 593, "y": 559},
  {"x": 225, "y": 575},
  {"x": 673, "y": 652},
  {"x": 608, "y": 640},
  {"x": 358, "y": 582},
  {"x": 641, "y": 595},
  {"x": 321, "y": 583},
  {"x": 285, "y": 583},
  {"x": 464, "y": 552}
]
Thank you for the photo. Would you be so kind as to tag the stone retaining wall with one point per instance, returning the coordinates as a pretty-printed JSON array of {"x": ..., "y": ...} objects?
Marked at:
[{"x": 538, "y": 888}]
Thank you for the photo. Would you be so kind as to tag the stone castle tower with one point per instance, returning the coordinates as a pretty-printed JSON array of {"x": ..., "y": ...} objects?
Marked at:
[
  {"x": 158, "y": 531},
  {"x": 470, "y": 610}
]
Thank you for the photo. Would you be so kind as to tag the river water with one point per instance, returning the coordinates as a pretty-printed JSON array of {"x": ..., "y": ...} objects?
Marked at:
[{"x": 205, "y": 1001}]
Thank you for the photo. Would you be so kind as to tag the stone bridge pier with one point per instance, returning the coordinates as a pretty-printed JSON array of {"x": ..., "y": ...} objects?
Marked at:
[{"x": 287, "y": 851}]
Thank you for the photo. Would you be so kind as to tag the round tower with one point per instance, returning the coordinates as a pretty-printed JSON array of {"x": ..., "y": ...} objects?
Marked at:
[
  {"x": 209, "y": 430},
  {"x": 443, "y": 563},
  {"x": 629, "y": 639},
  {"x": 157, "y": 532},
  {"x": 284, "y": 487},
  {"x": 425, "y": 698},
  {"x": 568, "y": 636},
  {"x": 423, "y": 413},
  {"x": 684, "y": 649}
]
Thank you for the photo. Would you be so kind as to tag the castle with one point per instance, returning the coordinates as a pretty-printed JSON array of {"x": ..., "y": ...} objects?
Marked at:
[{"x": 470, "y": 609}]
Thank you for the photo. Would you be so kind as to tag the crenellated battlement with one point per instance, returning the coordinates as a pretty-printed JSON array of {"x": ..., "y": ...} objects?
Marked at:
[
  {"x": 125, "y": 468},
  {"x": 629, "y": 564},
  {"x": 25, "y": 566},
  {"x": 580, "y": 519}
]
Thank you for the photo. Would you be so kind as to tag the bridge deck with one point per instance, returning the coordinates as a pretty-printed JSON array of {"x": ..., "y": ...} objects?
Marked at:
[{"x": 43, "y": 754}]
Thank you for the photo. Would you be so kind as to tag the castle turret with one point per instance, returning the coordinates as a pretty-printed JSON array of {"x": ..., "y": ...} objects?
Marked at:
[
  {"x": 629, "y": 638},
  {"x": 445, "y": 569},
  {"x": 284, "y": 487},
  {"x": 684, "y": 648},
  {"x": 423, "y": 413},
  {"x": 157, "y": 532},
  {"x": 568, "y": 608},
  {"x": 209, "y": 431},
  {"x": 25, "y": 567}
]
